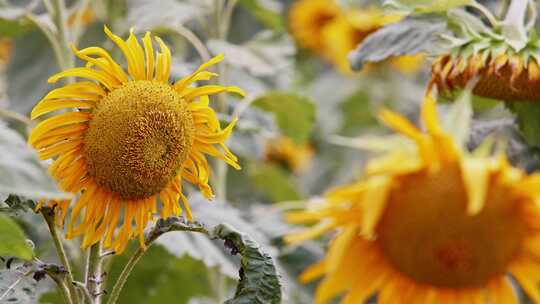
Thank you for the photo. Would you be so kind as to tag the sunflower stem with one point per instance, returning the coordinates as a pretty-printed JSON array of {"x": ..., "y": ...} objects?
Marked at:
[
  {"x": 15, "y": 116},
  {"x": 49, "y": 216},
  {"x": 94, "y": 276},
  {"x": 64, "y": 290},
  {"x": 197, "y": 44},
  {"x": 60, "y": 21},
  {"x": 224, "y": 13},
  {"x": 121, "y": 281}
]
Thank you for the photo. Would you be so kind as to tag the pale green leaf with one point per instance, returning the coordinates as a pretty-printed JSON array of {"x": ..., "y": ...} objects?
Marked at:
[
  {"x": 12, "y": 240},
  {"x": 457, "y": 120},
  {"x": 424, "y": 6},
  {"x": 16, "y": 286},
  {"x": 274, "y": 182},
  {"x": 295, "y": 114},
  {"x": 268, "y": 12},
  {"x": 408, "y": 37},
  {"x": 259, "y": 280},
  {"x": 20, "y": 171}
]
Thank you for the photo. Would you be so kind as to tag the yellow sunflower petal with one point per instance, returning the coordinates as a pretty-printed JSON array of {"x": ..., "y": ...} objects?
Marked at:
[{"x": 476, "y": 174}]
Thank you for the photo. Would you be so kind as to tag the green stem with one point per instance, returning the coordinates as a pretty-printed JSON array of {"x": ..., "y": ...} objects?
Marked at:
[
  {"x": 64, "y": 291},
  {"x": 58, "y": 54},
  {"x": 121, "y": 281},
  {"x": 93, "y": 273},
  {"x": 223, "y": 19},
  {"x": 195, "y": 42},
  {"x": 59, "y": 19},
  {"x": 15, "y": 116},
  {"x": 49, "y": 215}
]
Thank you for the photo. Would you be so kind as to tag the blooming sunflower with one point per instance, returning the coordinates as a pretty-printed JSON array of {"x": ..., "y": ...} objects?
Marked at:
[
  {"x": 307, "y": 18},
  {"x": 429, "y": 223},
  {"x": 130, "y": 141},
  {"x": 296, "y": 157}
]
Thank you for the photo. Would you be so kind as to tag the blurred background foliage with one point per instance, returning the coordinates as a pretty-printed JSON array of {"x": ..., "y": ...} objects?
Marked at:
[{"x": 290, "y": 137}]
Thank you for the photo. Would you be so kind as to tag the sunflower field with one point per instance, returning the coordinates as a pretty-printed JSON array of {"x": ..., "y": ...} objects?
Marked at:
[{"x": 269, "y": 151}]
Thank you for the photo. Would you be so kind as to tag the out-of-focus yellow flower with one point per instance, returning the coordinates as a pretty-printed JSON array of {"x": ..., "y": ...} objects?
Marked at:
[
  {"x": 131, "y": 139},
  {"x": 6, "y": 49},
  {"x": 343, "y": 34},
  {"x": 408, "y": 64},
  {"x": 429, "y": 223},
  {"x": 87, "y": 17},
  {"x": 307, "y": 18},
  {"x": 503, "y": 76},
  {"x": 297, "y": 157}
]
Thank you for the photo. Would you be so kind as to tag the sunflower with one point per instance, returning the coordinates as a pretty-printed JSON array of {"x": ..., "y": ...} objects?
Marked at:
[
  {"x": 294, "y": 156},
  {"x": 505, "y": 75},
  {"x": 131, "y": 139},
  {"x": 307, "y": 18},
  {"x": 429, "y": 223},
  {"x": 345, "y": 33}
]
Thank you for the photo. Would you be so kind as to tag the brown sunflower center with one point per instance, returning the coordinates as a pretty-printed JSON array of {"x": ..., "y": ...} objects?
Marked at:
[
  {"x": 426, "y": 234},
  {"x": 138, "y": 138}
]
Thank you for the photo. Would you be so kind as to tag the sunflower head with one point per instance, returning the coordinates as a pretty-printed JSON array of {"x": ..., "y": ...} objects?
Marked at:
[
  {"x": 307, "y": 18},
  {"x": 505, "y": 76},
  {"x": 129, "y": 139},
  {"x": 428, "y": 223},
  {"x": 490, "y": 59},
  {"x": 296, "y": 157}
]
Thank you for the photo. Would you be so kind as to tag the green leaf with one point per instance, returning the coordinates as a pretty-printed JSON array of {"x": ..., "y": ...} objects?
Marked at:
[
  {"x": 528, "y": 118},
  {"x": 424, "y": 6},
  {"x": 358, "y": 113},
  {"x": 160, "y": 278},
  {"x": 295, "y": 114},
  {"x": 199, "y": 247},
  {"x": 408, "y": 37},
  {"x": 18, "y": 204},
  {"x": 266, "y": 54},
  {"x": 268, "y": 12},
  {"x": 168, "y": 14},
  {"x": 12, "y": 240},
  {"x": 458, "y": 119},
  {"x": 274, "y": 182},
  {"x": 32, "y": 63},
  {"x": 20, "y": 171},
  {"x": 259, "y": 280}
]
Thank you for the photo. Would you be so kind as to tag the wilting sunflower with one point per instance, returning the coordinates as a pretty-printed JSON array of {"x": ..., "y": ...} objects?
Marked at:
[
  {"x": 296, "y": 157},
  {"x": 131, "y": 139},
  {"x": 307, "y": 18},
  {"x": 505, "y": 76},
  {"x": 429, "y": 223},
  {"x": 502, "y": 68}
]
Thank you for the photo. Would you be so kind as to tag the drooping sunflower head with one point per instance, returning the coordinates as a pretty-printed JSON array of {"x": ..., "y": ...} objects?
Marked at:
[
  {"x": 501, "y": 69},
  {"x": 129, "y": 139},
  {"x": 307, "y": 18},
  {"x": 297, "y": 157},
  {"x": 428, "y": 223}
]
